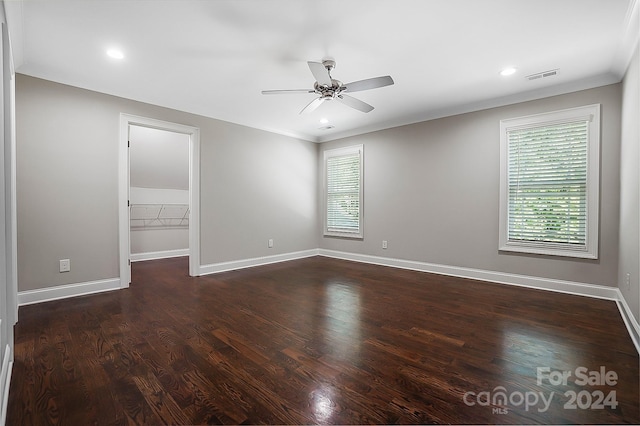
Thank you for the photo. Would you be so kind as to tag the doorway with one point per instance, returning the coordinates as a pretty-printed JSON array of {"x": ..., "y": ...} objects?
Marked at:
[
  {"x": 157, "y": 209},
  {"x": 158, "y": 193}
]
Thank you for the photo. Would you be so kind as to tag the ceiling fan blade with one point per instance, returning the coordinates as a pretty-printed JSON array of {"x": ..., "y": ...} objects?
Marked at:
[
  {"x": 369, "y": 83},
  {"x": 320, "y": 73},
  {"x": 286, "y": 91},
  {"x": 312, "y": 106},
  {"x": 355, "y": 103}
]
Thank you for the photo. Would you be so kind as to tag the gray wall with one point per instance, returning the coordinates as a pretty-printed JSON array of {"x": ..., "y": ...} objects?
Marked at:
[
  {"x": 432, "y": 188},
  {"x": 255, "y": 185},
  {"x": 423, "y": 183},
  {"x": 629, "y": 188},
  {"x": 153, "y": 240}
]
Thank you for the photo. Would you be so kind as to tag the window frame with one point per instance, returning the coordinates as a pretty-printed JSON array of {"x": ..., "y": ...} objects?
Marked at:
[
  {"x": 589, "y": 113},
  {"x": 341, "y": 152}
]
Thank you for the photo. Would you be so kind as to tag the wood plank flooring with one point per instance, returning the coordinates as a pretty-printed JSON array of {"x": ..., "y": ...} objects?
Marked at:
[{"x": 320, "y": 340}]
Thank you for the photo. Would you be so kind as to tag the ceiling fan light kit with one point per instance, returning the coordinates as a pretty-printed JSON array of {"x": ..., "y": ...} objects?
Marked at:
[{"x": 329, "y": 88}]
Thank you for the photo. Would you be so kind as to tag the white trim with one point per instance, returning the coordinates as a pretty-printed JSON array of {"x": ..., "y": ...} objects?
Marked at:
[
  {"x": 65, "y": 291},
  {"x": 5, "y": 383},
  {"x": 341, "y": 152},
  {"x": 538, "y": 283},
  {"x": 588, "y": 113},
  {"x": 256, "y": 261},
  {"x": 569, "y": 287},
  {"x": 12, "y": 284},
  {"x": 127, "y": 120},
  {"x": 633, "y": 327},
  {"x": 153, "y": 255},
  {"x": 123, "y": 201},
  {"x": 517, "y": 98},
  {"x": 630, "y": 35},
  {"x": 194, "y": 202}
]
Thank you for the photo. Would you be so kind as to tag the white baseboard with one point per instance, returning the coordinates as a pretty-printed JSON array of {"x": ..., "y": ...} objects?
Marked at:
[
  {"x": 64, "y": 291},
  {"x": 633, "y": 327},
  {"x": 570, "y": 287},
  {"x": 5, "y": 382},
  {"x": 153, "y": 255},
  {"x": 256, "y": 261}
]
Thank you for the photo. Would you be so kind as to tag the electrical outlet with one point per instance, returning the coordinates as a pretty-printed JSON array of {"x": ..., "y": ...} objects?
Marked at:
[
  {"x": 270, "y": 243},
  {"x": 384, "y": 244},
  {"x": 627, "y": 281},
  {"x": 65, "y": 265}
]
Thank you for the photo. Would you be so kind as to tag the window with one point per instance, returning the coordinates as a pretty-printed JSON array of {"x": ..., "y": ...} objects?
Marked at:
[
  {"x": 343, "y": 192},
  {"x": 549, "y": 181}
]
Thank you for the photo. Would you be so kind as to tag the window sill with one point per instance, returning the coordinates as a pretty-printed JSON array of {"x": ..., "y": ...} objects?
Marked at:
[
  {"x": 548, "y": 250},
  {"x": 347, "y": 235}
]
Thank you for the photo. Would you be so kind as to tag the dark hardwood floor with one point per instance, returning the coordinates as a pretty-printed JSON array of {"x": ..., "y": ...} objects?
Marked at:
[{"x": 321, "y": 340}]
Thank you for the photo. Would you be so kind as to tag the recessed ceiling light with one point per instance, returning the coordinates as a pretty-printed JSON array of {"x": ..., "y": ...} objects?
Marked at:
[
  {"x": 507, "y": 71},
  {"x": 115, "y": 54},
  {"x": 323, "y": 121}
]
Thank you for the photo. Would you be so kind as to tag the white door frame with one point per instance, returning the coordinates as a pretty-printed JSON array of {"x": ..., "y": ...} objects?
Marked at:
[
  {"x": 8, "y": 220},
  {"x": 127, "y": 120}
]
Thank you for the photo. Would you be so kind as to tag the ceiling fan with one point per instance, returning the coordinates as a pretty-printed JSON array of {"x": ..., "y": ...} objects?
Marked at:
[{"x": 329, "y": 88}]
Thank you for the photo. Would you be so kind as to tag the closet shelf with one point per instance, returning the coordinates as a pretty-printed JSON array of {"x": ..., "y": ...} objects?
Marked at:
[{"x": 149, "y": 216}]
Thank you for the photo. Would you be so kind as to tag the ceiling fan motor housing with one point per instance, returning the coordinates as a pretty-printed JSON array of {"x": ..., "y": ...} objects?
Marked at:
[{"x": 329, "y": 92}]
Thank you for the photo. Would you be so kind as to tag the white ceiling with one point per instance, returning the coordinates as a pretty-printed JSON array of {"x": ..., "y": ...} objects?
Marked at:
[{"x": 213, "y": 58}]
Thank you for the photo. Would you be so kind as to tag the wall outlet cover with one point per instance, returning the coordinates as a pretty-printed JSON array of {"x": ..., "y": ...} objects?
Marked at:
[
  {"x": 627, "y": 281},
  {"x": 65, "y": 265}
]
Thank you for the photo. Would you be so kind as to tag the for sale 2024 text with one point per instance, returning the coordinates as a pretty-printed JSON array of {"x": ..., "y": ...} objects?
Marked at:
[{"x": 582, "y": 376}]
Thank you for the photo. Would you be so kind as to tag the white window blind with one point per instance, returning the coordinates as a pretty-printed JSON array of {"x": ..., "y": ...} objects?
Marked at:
[
  {"x": 550, "y": 191},
  {"x": 343, "y": 198}
]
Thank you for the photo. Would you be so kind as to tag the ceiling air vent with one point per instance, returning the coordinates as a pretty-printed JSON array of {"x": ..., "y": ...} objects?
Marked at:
[
  {"x": 329, "y": 127},
  {"x": 543, "y": 74}
]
